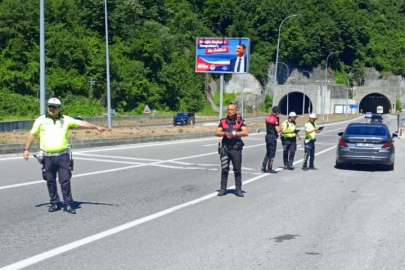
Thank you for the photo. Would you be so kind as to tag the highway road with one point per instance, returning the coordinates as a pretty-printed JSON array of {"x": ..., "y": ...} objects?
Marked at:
[{"x": 154, "y": 206}]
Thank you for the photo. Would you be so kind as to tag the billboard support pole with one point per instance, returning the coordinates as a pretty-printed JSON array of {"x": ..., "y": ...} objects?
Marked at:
[{"x": 221, "y": 96}]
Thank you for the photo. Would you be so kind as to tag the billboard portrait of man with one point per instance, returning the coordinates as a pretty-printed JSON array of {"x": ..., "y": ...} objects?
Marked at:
[
  {"x": 239, "y": 63},
  {"x": 217, "y": 55}
]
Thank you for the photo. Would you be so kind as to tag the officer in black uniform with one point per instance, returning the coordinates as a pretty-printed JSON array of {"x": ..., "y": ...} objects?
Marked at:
[
  {"x": 231, "y": 129},
  {"x": 272, "y": 129}
]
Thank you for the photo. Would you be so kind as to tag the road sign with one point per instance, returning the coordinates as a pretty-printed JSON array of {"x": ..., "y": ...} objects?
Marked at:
[
  {"x": 354, "y": 106},
  {"x": 146, "y": 110}
]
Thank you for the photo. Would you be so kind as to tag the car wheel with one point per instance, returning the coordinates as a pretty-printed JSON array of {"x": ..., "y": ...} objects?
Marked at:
[
  {"x": 191, "y": 122},
  {"x": 338, "y": 165},
  {"x": 174, "y": 125},
  {"x": 390, "y": 167}
]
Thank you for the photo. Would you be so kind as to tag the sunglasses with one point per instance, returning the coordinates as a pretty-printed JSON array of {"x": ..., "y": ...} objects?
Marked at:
[{"x": 52, "y": 107}]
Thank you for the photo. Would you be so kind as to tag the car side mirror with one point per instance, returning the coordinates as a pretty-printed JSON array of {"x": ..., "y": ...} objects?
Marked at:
[{"x": 340, "y": 134}]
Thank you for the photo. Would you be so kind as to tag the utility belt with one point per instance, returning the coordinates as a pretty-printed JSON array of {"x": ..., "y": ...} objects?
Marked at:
[
  {"x": 290, "y": 139},
  {"x": 238, "y": 146},
  {"x": 309, "y": 140},
  {"x": 42, "y": 154},
  {"x": 45, "y": 154}
]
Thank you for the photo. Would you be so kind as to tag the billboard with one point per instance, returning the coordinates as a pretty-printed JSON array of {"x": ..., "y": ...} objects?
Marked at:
[{"x": 222, "y": 55}]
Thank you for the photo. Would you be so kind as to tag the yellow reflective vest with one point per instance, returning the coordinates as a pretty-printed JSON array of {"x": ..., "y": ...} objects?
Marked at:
[
  {"x": 288, "y": 126},
  {"x": 309, "y": 126}
]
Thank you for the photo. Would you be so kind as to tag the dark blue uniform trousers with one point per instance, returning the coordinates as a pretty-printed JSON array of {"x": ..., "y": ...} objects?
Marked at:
[
  {"x": 58, "y": 165},
  {"x": 309, "y": 149},
  {"x": 236, "y": 157}
]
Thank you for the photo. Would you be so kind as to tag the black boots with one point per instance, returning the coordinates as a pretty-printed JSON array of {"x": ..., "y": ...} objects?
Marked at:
[
  {"x": 69, "y": 208},
  {"x": 238, "y": 192},
  {"x": 222, "y": 192},
  {"x": 270, "y": 166},
  {"x": 54, "y": 207}
]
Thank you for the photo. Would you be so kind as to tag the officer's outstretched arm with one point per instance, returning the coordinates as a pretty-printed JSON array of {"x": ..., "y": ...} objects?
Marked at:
[{"x": 85, "y": 124}]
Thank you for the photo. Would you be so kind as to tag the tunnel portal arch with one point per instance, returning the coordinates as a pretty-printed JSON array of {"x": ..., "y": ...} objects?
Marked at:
[
  {"x": 295, "y": 101},
  {"x": 370, "y": 102}
]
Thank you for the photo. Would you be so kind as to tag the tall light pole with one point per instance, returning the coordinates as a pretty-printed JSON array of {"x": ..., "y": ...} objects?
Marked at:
[
  {"x": 347, "y": 101},
  {"x": 42, "y": 56},
  {"x": 325, "y": 84},
  {"x": 288, "y": 75},
  {"x": 278, "y": 46},
  {"x": 107, "y": 63},
  {"x": 347, "y": 90},
  {"x": 243, "y": 89},
  {"x": 303, "y": 97},
  {"x": 348, "y": 77}
]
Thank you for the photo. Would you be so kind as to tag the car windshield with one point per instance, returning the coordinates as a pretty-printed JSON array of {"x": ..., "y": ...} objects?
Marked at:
[
  {"x": 181, "y": 114},
  {"x": 366, "y": 130}
]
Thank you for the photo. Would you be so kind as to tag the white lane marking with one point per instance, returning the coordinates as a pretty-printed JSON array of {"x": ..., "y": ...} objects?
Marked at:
[
  {"x": 212, "y": 144},
  {"x": 132, "y": 146},
  {"x": 11, "y": 158},
  {"x": 76, "y": 244},
  {"x": 146, "y": 159},
  {"x": 74, "y": 176},
  {"x": 109, "y": 161},
  {"x": 124, "y": 168},
  {"x": 116, "y": 157}
]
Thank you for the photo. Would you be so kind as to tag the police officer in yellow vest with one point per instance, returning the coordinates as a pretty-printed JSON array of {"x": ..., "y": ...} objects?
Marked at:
[
  {"x": 289, "y": 140},
  {"x": 53, "y": 128},
  {"x": 309, "y": 144}
]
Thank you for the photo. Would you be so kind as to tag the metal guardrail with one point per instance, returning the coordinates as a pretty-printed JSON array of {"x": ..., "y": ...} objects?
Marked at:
[
  {"x": 27, "y": 124},
  {"x": 16, "y": 125}
]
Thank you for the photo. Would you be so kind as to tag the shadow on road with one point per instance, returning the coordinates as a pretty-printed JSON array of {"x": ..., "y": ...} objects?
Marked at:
[
  {"x": 364, "y": 168},
  {"x": 77, "y": 205}
]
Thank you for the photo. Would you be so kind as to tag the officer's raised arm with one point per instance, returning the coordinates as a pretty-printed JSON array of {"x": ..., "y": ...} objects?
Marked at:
[{"x": 85, "y": 124}]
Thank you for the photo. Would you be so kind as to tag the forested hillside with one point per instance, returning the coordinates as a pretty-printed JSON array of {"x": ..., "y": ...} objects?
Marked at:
[{"x": 152, "y": 46}]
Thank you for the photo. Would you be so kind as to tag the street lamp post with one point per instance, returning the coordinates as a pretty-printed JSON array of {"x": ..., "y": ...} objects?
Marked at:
[
  {"x": 325, "y": 84},
  {"x": 278, "y": 46},
  {"x": 42, "y": 56},
  {"x": 347, "y": 90},
  {"x": 107, "y": 63},
  {"x": 347, "y": 101},
  {"x": 303, "y": 97},
  {"x": 243, "y": 90},
  {"x": 348, "y": 77},
  {"x": 288, "y": 75}
]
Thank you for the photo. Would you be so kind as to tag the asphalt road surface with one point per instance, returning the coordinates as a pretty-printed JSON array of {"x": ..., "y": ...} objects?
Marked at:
[{"x": 154, "y": 206}]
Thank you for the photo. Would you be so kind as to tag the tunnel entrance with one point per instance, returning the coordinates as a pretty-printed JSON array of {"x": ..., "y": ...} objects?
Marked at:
[
  {"x": 295, "y": 101},
  {"x": 370, "y": 102}
]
